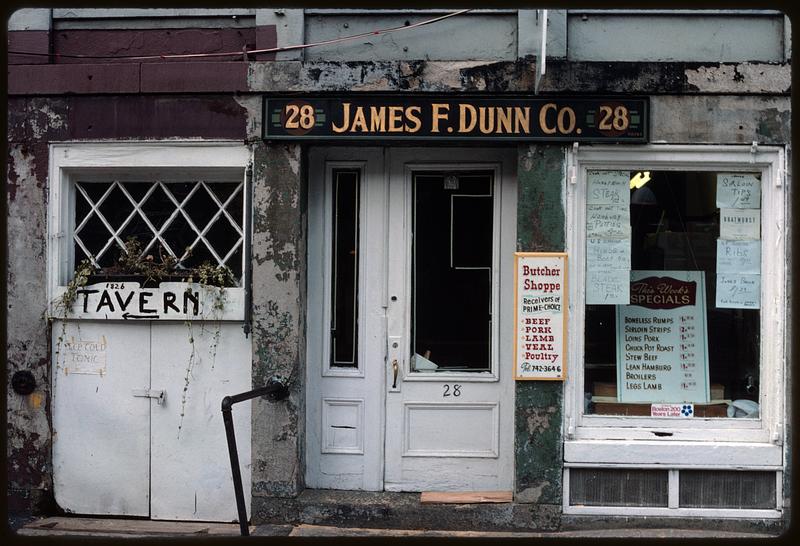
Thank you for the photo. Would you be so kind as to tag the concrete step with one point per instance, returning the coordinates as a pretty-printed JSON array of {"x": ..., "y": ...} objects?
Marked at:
[{"x": 391, "y": 510}]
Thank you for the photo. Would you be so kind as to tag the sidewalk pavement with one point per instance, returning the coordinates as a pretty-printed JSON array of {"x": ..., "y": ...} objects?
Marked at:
[{"x": 129, "y": 528}]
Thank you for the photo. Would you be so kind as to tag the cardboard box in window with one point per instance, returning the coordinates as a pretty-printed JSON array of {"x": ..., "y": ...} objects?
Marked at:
[
  {"x": 600, "y": 388},
  {"x": 604, "y": 389},
  {"x": 682, "y": 249}
]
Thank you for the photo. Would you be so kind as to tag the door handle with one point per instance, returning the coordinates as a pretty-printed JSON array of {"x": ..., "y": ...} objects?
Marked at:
[
  {"x": 160, "y": 396},
  {"x": 395, "y": 369}
]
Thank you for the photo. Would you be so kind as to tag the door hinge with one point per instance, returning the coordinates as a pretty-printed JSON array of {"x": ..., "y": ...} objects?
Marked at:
[{"x": 160, "y": 396}]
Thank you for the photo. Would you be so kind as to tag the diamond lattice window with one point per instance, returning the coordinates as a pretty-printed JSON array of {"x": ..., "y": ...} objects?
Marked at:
[{"x": 194, "y": 221}]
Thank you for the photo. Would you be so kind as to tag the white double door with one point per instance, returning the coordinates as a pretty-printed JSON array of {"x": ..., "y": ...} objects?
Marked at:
[
  {"x": 410, "y": 389},
  {"x": 119, "y": 448}
]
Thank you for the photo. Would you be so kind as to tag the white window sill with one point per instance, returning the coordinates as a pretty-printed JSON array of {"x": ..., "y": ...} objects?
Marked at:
[{"x": 673, "y": 454}]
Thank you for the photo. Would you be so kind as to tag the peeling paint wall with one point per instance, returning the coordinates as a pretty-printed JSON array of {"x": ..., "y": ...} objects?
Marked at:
[
  {"x": 278, "y": 318},
  {"x": 539, "y": 404},
  {"x": 27, "y": 418}
]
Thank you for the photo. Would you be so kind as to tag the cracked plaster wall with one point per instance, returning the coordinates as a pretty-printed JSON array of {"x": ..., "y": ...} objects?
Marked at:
[{"x": 278, "y": 318}]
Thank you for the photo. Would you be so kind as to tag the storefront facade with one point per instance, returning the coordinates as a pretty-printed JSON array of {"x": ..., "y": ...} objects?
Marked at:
[{"x": 391, "y": 225}]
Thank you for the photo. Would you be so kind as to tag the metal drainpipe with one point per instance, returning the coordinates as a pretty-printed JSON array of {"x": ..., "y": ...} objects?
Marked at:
[{"x": 248, "y": 247}]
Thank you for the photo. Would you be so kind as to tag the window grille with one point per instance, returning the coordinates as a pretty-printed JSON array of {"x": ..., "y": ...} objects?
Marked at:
[
  {"x": 618, "y": 487},
  {"x": 192, "y": 221},
  {"x": 727, "y": 489}
]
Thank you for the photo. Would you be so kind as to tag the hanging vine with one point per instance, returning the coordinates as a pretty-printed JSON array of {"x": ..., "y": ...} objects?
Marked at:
[
  {"x": 152, "y": 269},
  {"x": 63, "y": 304}
]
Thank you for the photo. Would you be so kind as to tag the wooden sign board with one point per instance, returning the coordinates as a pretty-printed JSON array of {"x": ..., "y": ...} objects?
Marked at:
[
  {"x": 540, "y": 302},
  {"x": 421, "y": 117}
]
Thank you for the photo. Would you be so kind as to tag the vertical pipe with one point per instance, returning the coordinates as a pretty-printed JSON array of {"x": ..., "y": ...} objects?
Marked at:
[
  {"x": 227, "y": 418},
  {"x": 247, "y": 272}
]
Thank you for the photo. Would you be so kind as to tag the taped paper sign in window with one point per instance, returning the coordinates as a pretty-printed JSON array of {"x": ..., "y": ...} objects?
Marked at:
[{"x": 662, "y": 353}]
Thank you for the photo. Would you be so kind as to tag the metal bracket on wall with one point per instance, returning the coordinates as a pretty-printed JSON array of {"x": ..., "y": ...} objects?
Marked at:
[{"x": 573, "y": 168}]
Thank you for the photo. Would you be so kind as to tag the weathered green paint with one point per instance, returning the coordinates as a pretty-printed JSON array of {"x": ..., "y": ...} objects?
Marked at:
[
  {"x": 774, "y": 126},
  {"x": 540, "y": 206},
  {"x": 538, "y": 404},
  {"x": 278, "y": 304}
]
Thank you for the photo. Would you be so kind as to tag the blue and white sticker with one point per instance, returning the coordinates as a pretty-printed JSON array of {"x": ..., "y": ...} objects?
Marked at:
[{"x": 672, "y": 410}]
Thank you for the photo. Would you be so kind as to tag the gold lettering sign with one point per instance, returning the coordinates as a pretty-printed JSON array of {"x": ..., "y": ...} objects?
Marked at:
[{"x": 506, "y": 118}]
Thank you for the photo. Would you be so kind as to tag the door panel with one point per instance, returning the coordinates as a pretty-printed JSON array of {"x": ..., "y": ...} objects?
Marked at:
[
  {"x": 344, "y": 403},
  {"x": 101, "y": 431},
  {"x": 449, "y": 413},
  {"x": 190, "y": 472}
]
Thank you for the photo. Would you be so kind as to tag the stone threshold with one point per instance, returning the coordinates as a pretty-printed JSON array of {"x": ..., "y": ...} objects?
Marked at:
[{"x": 401, "y": 511}]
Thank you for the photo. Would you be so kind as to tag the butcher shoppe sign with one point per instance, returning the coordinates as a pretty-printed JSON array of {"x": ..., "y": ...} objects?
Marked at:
[
  {"x": 407, "y": 117},
  {"x": 540, "y": 299}
]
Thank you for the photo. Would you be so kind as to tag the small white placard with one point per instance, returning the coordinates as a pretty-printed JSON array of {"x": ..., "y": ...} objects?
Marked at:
[
  {"x": 740, "y": 224},
  {"x": 739, "y": 257},
  {"x": 672, "y": 410},
  {"x": 735, "y": 291},
  {"x": 608, "y": 188},
  {"x": 608, "y": 287},
  {"x": 608, "y": 221},
  {"x": 738, "y": 191},
  {"x": 608, "y": 254},
  {"x": 85, "y": 356}
]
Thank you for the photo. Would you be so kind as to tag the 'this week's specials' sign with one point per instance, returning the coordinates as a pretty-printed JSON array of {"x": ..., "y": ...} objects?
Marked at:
[
  {"x": 662, "y": 354},
  {"x": 421, "y": 117},
  {"x": 540, "y": 300}
]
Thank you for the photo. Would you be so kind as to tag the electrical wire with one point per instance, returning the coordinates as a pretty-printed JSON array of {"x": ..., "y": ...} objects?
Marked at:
[{"x": 245, "y": 52}]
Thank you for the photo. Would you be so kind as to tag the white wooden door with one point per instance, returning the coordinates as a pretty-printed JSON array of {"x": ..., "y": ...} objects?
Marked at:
[
  {"x": 430, "y": 430},
  {"x": 101, "y": 433},
  {"x": 190, "y": 472},
  {"x": 345, "y": 396},
  {"x": 450, "y": 402},
  {"x": 117, "y": 449}
]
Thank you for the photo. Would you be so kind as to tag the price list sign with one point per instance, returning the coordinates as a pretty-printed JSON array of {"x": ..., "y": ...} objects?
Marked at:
[
  {"x": 662, "y": 352},
  {"x": 540, "y": 299}
]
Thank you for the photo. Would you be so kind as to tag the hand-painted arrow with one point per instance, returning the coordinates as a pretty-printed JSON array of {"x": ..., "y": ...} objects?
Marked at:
[{"x": 127, "y": 316}]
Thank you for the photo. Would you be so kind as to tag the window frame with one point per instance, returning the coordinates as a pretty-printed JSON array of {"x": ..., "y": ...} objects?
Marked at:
[
  {"x": 330, "y": 170},
  {"x": 409, "y": 172},
  {"x": 93, "y": 160},
  {"x": 586, "y": 434}
]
